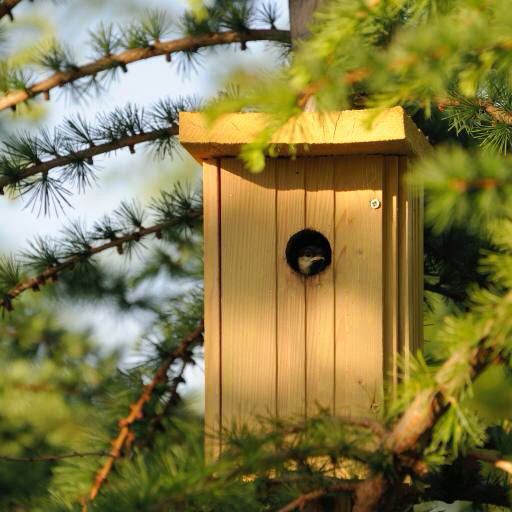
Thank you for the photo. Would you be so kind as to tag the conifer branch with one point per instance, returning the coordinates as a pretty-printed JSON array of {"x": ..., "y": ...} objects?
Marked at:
[
  {"x": 87, "y": 154},
  {"x": 499, "y": 114},
  {"x": 173, "y": 212},
  {"x": 52, "y": 272},
  {"x": 131, "y": 55},
  {"x": 6, "y": 8},
  {"x": 498, "y": 460},
  {"x": 125, "y": 437},
  {"x": 300, "y": 502},
  {"x": 46, "y": 458},
  {"x": 445, "y": 292}
]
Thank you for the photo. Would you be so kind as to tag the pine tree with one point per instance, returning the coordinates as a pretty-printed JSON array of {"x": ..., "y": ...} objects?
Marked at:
[{"x": 446, "y": 435}]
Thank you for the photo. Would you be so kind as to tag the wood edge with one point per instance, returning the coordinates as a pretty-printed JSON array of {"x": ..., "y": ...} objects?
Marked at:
[
  {"x": 226, "y": 137},
  {"x": 390, "y": 269},
  {"x": 212, "y": 343}
]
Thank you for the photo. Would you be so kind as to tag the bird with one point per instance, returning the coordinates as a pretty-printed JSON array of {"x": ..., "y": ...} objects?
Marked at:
[{"x": 311, "y": 260}]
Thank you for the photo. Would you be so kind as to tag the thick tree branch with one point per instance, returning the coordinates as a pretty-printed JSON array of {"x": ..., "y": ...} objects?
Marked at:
[
  {"x": 46, "y": 458},
  {"x": 6, "y": 8},
  {"x": 189, "y": 43},
  {"x": 125, "y": 437},
  {"x": 86, "y": 154}
]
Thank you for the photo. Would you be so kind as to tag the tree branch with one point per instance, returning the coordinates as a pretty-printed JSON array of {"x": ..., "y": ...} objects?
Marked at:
[
  {"x": 497, "y": 113},
  {"x": 122, "y": 59},
  {"x": 498, "y": 460},
  {"x": 304, "y": 499},
  {"x": 6, "y": 8},
  {"x": 441, "y": 290},
  {"x": 125, "y": 436},
  {"x": 39, "y": 458},
  {"x": 51, "y": 273},
  {"x": 87, "y": 153}
]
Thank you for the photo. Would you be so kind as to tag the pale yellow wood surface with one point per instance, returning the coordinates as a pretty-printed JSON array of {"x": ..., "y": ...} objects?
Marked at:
[
  {"x": 248, "y": 304},
  {"x": 390, "y": 269},
  {"x": 387, "y": 131},
  {"x": 291, "y": 356},
  {"x": 413, "y": 248},
  {"x": 405, "y": 276},
  {"x": 212, "y": 320},
  {"x": 359, "y": 293},
  {"x": 320, "y": 289}
]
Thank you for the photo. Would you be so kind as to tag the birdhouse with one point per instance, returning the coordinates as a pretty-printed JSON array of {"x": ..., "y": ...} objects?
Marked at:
[{"x": 313, "y": 267}]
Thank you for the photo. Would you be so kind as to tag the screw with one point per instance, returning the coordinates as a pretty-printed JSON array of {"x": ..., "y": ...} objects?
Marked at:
[{"x": 375, "y": 203}]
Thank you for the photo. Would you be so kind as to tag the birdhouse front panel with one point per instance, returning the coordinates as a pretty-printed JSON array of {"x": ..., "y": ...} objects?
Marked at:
[
  {"x": 281, "y": 342},
  {"x": 313, "y": 267}
]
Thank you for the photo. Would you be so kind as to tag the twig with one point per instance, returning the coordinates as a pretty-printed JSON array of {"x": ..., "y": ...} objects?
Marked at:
[
  {"x": 498, "y": 460},
  {"x": 156, "y": 422},
  {"x": 125, "y": 435},
  {"x": 375, "y": 426},
  {"x": 87, "y": 153},
  {"x": 189, "y": 43},
  {"x": 50, "y": 274},
  {"x": 441, "y": 290},
  {"x": 38, "y": 458},
  {"x": 497, "y": 113},
  {"x": 6, "y": 8},
  {"x": 304, "y": 499}
]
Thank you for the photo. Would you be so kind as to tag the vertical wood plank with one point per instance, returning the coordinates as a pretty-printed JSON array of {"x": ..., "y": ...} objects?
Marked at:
[
  {"x": 413, "y": 258},
  {"x": 291, "y": 357},
  {"x": 320, "y": 289},
  {"x": 212, "y": 340},
  {"x": 390, "y": 270},
  {"x": 420, "y": 268},
  {"x": 358, "y": 286},
  {"x": 248, "y": 302},
  {"x": 405, "y": 278}
]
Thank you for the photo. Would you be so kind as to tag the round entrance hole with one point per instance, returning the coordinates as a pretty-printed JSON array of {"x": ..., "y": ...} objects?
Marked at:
[{"x": 308, "y": 252}]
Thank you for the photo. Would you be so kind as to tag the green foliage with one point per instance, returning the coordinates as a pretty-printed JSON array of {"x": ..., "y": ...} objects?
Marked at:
[
  {"x": 50, "y": 378},
  {"x": 448, "y": 63}
]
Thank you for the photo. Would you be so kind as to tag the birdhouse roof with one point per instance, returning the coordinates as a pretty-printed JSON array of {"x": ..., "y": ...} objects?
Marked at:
[{"x": 384, "y": 131}]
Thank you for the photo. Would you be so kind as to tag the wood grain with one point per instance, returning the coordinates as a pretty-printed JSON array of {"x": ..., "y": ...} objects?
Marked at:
[
  {"x": 291, "y": 344},
  {"x": 391, "y": 132},
  {"x": 248, "y": 303},
  {"x": 212, "y": 319},
  {"x": 390, "y": 270},
  {"x": 320, "y": 289},
  {"x": 411, "y": 258},
  {"x": 405, "y": 276},
  {"x": 358, "y": 285}
]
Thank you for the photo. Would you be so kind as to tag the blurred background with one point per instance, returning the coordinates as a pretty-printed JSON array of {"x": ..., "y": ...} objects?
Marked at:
[{"x": 122, "y": 176}]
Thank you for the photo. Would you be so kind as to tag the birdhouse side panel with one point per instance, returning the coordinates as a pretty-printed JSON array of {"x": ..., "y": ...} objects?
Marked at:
[
  {"x": 248, "y": 292},
  {"x": 212, "y": 342},
  {"x": 359, "y": 284},
  {"x": 410, "y": 264},
  {"x": 390, "y": 271}
]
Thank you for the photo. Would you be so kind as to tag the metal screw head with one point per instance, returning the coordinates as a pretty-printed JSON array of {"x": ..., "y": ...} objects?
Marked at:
[{"x": 375, "y": 203}]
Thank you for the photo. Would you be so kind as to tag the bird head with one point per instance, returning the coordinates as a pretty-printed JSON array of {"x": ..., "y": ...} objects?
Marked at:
[{"x": 311, "y": 260}]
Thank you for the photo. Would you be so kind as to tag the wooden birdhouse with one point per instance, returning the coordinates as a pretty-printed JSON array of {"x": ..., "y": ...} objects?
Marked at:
[{"x": 282, "y": 342}]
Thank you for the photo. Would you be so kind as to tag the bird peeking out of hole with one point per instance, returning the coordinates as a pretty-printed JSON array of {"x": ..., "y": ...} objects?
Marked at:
[
  {"x": 308, "y": 252},
  {"x": 311, "y": 260}
]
